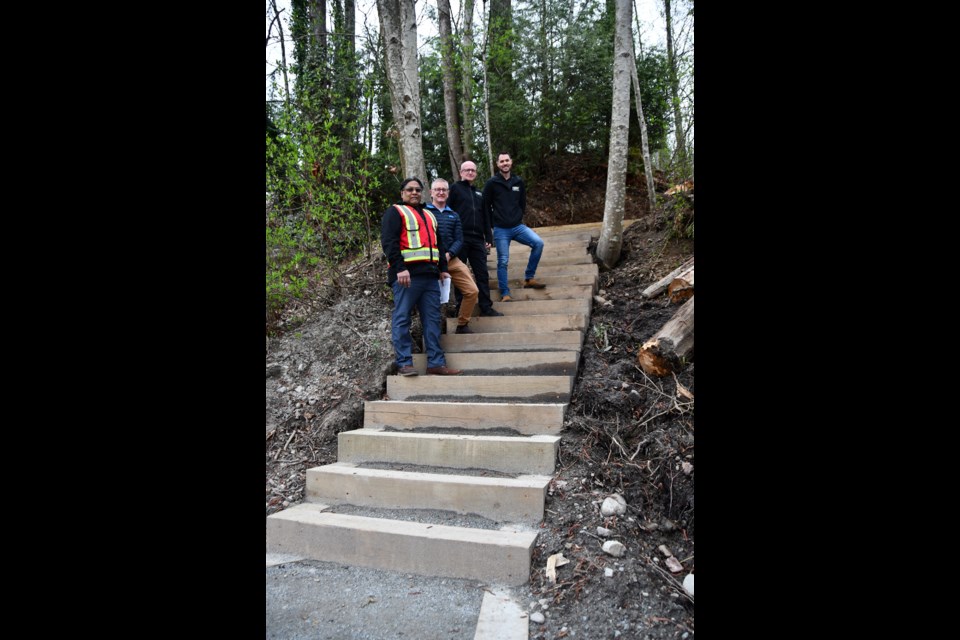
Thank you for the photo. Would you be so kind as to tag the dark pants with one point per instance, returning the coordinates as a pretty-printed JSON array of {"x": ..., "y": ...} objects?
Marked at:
[{"x": 476, "y": 255}]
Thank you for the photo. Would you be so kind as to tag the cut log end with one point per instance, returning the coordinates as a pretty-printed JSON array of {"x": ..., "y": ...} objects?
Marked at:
[
  {"x": 680, "y": 290},
  {"x": 657, "y": 357}
]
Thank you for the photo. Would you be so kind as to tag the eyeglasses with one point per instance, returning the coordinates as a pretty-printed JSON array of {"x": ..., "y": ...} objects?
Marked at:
[
  {"x": 413, "y": 190},
  {"x": 440, "y": 190},
  {"x": 465, "y": 170}
]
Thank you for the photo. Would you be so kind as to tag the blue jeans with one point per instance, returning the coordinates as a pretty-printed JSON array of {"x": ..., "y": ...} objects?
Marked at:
[
  {"x": 524, "y": 235},
  {"x": 424, "y": 293}
]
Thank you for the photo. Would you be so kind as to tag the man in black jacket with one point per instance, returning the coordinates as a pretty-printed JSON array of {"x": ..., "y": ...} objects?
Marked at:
[
  {"x": 416, "y": 263},
  {"x": 505, "y": 197},
  {"x": 467, "y": 201}
]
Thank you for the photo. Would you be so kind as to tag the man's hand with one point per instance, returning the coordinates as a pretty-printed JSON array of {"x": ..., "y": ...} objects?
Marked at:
[{"x": 403, "y": 277}]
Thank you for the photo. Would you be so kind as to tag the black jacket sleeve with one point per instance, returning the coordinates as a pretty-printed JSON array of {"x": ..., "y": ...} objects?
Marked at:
[{"x": 390, "y": 238}]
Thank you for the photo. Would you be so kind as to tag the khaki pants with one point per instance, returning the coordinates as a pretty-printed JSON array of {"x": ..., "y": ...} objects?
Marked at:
[{"x": 463, "y": 281}]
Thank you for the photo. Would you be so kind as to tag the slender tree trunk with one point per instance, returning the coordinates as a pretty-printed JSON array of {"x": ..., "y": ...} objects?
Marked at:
[
  {"x": 611, "y": 237},
  {"x": 675, "y": 92},
  {"x": 503, "y": 90},
  {"x": 449, "y": 89},
  {"x": 283, "y": 57},
  {"x": 398, "y": 24},
  {"x": 545, "y": 93},
  {"x": 345, "y": 74},
  {"x": 467, "y": 79},
  {"x": 647, "y": 167},
  {"x": 486, "y": 94},
  {"x": 318, "y": 18}
]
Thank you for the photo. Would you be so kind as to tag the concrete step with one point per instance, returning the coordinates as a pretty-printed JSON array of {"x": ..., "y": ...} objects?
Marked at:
[
  {"x": 550, "y": 248},
  {"x": 546, "y": 259},
  {"x": 517, "y": 363},
  {"x": 535, "y": 388},
  {"x": 519, "y": 499},
  {"x": 500, "y": 557},
  {"x": 507, "y": 454},
  {"x": 527, "y": 419},
  {"x": 542, "y": 307},
  {"x": 552, "y": 292},
  {"x": 527, "y": 341},
  {"x": 559, "y": 235},
  {"x": 524, "y": 323},
  {"x": 578, "y": 229},
  {"x": 516, "y": 270},
  {"x": 516, "y": 283}
]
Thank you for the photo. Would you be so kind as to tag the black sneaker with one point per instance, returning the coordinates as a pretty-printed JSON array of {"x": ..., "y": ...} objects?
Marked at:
[
  {"x": 491, "y": 312},
  {"x": 464, "y": 328}
]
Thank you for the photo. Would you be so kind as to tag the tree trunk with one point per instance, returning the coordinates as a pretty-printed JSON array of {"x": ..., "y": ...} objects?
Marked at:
[
  {"x": 449, "y": 89},
  {"x": 398, "y": 24},
  {"x": 486, "y": 96},
  {"x": 669, "y": 348},
  {"x": 318, "y": 18},
  {"x": 681, "y": 287},
  {"x": 347, "y": 86},
  {"x": 283, "y": 57},
  {"x": 611, "y": 236},
  {"x": 675, "y": 93},
  {"x": 661, "y": 285},
  {"x": 647, "y": 166},
  {"x": 467, "y": 82}
]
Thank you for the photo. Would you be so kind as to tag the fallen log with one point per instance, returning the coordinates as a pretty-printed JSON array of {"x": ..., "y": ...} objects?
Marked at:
[
  {"x": 681, "y": 289},
  {"x": 661, "y": 285},
  {"x": 665, "y": 351}
]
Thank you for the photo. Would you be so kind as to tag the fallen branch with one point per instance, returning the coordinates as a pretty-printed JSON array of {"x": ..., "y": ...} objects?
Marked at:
[{"x": 661, "y": 285}]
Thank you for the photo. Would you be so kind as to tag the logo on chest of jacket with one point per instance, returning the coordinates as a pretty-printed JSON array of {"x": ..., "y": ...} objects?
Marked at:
[{"x": 516, "y": 188}]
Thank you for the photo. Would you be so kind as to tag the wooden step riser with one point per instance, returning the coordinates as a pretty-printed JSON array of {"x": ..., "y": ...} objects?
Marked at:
[
  {"x": 517, "y": 270},
  {"x": 532, "y": 454},
  {"x": 564, "y": 254},
  {"x": 530, "y": 341},
  {"x": 526, "y": 419},
  {"x": 542, "y": 307},
  {"x": 538, "y": 389},
  {"x": 531, "y": 363},
  {"x": 524, "y": 323},
  {"x": 500, "y": 557},
  {"x": 516, "y": 283},
  {"x": 554, "y": 292},
  {"x": 518, "y": 499}
]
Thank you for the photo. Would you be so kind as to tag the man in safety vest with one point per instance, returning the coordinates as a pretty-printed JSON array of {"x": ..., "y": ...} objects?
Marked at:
[{"x": 408, "y": 235}]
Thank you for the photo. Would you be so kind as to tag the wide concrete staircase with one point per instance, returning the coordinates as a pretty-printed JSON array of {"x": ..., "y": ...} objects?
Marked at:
[{"x": 483, "y": 443}]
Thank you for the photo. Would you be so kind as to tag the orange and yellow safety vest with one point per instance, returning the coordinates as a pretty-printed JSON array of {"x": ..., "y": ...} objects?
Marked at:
[{"x": 417, "y": 243}]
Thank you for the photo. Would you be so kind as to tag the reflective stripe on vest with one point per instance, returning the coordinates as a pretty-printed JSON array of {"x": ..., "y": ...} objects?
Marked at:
[{"x": 416, "y": 241}]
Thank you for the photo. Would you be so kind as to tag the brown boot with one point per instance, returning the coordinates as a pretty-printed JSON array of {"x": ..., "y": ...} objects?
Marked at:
[
  {"x": 533, "y": 284},
  {"x": 443, "y": 371},
  {"x": 506, "y": 299}
]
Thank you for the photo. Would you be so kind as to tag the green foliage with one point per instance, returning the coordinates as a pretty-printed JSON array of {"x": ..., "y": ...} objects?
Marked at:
[
  {"x": 679, "y": 213},
  {"x": 320, "y": 207}
]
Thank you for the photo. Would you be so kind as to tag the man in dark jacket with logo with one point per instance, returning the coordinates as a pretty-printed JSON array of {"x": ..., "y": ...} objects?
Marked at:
[
  {"x": 505, "y": 197},
  {"x": 408, "y": 235},
  {"x": 467, "y": 201}
]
